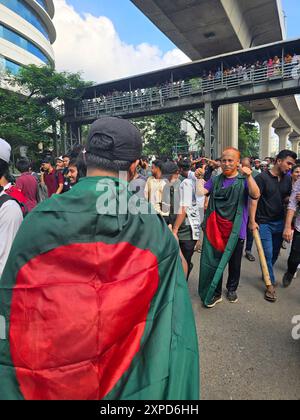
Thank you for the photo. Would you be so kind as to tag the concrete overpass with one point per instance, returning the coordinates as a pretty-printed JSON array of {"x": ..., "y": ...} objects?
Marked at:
[{"x": 205, "y": 28}]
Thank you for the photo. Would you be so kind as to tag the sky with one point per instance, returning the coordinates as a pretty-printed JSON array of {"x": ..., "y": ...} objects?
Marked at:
[{"x": 110, "y": 39}]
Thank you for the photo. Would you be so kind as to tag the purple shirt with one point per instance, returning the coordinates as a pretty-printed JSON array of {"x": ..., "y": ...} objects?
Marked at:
[{"x": 226, "y": 184}]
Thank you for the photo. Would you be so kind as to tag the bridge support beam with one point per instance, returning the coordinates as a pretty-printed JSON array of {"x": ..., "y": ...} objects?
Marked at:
[
  {"x": 228, "y": 127},
  {"x": 265, "y": 120},
  {"x": 74, "y": 134},
  {"x": 211, "y": 131},
  {"x": 283, "y": 134},
  {"x": 295, "y": 144}
]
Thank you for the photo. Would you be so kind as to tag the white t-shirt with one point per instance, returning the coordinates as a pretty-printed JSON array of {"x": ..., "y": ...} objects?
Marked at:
[{"x": 10, "y": 220}]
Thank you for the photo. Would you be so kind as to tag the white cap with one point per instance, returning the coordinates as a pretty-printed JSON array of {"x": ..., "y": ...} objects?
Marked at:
[{"x": 5, "y": 150}]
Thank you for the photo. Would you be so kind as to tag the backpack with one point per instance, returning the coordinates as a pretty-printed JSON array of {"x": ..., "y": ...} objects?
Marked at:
[
  {"x": 14, "y": 194},
  {"x": 42, "y": 193}
]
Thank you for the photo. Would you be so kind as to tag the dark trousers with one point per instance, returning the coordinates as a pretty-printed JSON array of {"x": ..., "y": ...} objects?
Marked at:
[
  {"x": 294, "y": 259},
  {"x": 235, "y": 264},
  {"x": 250, "y": 240},
  {"x": 187, "y": 249}
]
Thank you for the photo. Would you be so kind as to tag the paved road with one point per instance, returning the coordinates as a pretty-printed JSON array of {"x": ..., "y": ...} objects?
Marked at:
[{"x": 246, "y": 349}]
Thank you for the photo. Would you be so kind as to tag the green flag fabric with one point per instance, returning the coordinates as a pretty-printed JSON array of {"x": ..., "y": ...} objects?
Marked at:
[
  {"x": 222, "y": 226},
  {"x": 96, "y": 306}
]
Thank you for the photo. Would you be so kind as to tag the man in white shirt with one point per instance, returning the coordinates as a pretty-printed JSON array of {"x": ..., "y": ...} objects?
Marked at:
[{"x": 10, "y": 212}]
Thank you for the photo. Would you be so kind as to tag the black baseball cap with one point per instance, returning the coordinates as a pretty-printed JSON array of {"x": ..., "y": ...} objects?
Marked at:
[
  {"x": 170, "y": 168},
  {"x": 126, "y": 139}
]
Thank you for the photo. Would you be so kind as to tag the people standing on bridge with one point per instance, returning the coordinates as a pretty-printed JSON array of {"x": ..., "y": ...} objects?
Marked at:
[
  {"x": 108, "y": 284},
  {"x": 225, "y": 228},
  {"x": 267, "y": 214}
]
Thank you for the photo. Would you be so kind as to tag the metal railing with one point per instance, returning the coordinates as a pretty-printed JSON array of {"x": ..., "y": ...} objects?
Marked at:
[{"x": 122, "y": 103}]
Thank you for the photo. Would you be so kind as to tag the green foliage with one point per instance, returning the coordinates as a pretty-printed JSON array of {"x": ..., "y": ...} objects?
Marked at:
[
  {"x": 248, "y": 134},
  {"x": 163, "y": 135},
  {"x": 196, "y": 119},
  {"x": 31, "y": 115}
]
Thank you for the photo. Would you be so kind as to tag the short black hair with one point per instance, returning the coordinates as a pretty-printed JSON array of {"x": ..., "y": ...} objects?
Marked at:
[
  {"x": 23, "y": 165},
  {"x": 295, "y": 168},
  {"x": 80, "y": 165},
  {"x": 185, "y": 165},
  {"x": 284, "y": 154},
  {"x": 98, "y": 144},
  {"x": 66, "y": 156},
  {"x": 145, "y": 159},
  {"x": 3, "y": 168},
  {"x": 159, "y": 164}
]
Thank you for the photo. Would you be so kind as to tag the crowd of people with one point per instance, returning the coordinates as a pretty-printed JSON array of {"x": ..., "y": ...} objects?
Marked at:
[
  {"x": 241, "y": 72},
  {"x": 67, "y": 227}
]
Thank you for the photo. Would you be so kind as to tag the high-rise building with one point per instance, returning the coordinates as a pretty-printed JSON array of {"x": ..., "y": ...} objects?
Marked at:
[{"x": 26, "y": 33}]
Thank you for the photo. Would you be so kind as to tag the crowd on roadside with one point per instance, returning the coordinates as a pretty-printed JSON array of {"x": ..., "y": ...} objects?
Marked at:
[{"x": 79, "y": 254}]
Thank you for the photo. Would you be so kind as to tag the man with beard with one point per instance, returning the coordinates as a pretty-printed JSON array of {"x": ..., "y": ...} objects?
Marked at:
[{"x": 225, "y": 228}]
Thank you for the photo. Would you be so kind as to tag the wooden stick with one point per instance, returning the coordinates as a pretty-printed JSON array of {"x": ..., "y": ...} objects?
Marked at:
[{"x": 262, "y": 258}]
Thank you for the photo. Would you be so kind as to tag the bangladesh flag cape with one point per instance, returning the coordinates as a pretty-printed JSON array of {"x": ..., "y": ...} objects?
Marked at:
[
  {"x": 222, "y": 226},
  {"x": 96, "y": 306}
]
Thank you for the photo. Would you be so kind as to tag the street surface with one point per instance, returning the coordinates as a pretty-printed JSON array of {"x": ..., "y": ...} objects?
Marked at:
[{"x": 246, "y": 349}]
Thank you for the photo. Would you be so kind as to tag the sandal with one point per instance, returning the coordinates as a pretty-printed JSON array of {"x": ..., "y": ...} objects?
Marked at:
[
  {"x": 270, "y": 295},
  {"x": 249, "y": 256}
]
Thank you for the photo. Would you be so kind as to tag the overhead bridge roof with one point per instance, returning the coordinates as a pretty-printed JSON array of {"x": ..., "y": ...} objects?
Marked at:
[{"x": 194, "y": 69}]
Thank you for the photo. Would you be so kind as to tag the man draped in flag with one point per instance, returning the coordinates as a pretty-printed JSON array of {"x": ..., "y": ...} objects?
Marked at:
[
  {"x": 94, "y": 295},
  {"x": 225, "y": 228}
]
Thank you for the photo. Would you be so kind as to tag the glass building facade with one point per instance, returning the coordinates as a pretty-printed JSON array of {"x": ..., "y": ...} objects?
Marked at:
[
  {"x": 8, "y": 65},
  {"x": 43, "y": 4},
  {"x": 26, "y": 12},
  {"x": 21, "y": 42},
  {"x": 33, "y": 32}
]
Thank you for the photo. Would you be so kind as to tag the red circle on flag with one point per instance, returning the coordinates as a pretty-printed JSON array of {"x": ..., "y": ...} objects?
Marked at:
[{"x": 78, "y": 315}]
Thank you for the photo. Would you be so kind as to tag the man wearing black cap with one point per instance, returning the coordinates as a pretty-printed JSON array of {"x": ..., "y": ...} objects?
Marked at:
[{"x": 99, "y": 289}]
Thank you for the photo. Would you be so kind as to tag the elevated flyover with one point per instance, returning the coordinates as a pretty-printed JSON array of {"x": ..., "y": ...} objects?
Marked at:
[
  {"x": 205, "y": 28},
  {"x": 184, "y": 87}
]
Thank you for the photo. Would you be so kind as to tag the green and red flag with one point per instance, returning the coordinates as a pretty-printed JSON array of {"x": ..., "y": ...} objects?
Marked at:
[
  {"x": 222, "y": 226},
  {"x": 96, "y": 306}
]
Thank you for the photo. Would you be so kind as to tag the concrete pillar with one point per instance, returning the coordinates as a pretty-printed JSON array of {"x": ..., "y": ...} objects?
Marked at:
[
  {"x": 283, "y": 134},
  {"x": 228, "y": 126},
  {"x": 295, "y": 144},
  {"x": 265, "y": 120}
]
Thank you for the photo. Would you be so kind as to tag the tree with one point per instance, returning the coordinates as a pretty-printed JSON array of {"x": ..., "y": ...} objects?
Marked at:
[
  {"x": 197, "y": 121},
  {"x": 163, "y": 135},
  {"x": 248, "y": 134},
  {"x": 31, "y": 116}
]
